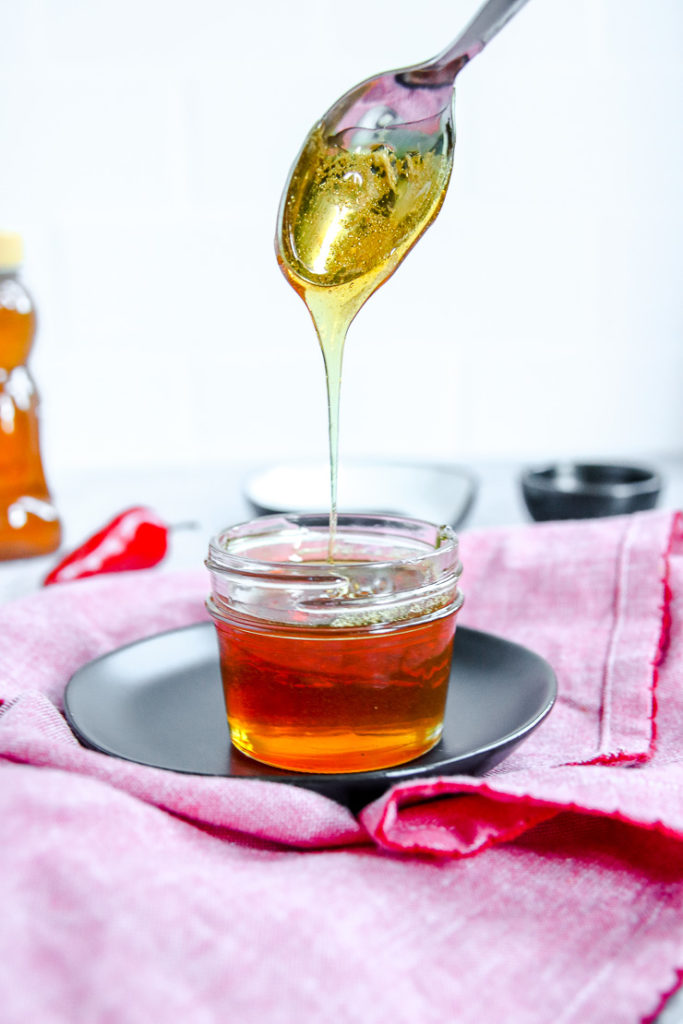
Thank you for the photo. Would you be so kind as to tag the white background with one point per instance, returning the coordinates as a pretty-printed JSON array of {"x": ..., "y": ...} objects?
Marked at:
[{"x": 143, "y": 148}]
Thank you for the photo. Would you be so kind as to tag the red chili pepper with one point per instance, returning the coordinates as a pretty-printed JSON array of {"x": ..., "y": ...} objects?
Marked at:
[{"x": 136, "y": 539}]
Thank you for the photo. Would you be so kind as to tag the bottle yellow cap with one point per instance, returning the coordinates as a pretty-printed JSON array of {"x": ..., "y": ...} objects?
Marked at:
[{"x": 11, "y": 250}]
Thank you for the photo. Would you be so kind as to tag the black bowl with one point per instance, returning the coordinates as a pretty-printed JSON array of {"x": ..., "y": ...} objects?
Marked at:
[{"x": 588, "y": 491}]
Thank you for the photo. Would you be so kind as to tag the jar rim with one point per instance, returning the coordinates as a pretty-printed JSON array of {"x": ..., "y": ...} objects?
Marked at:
[
  {"x": 396, "y": 569},
  {"x": 429, "y": 539}
]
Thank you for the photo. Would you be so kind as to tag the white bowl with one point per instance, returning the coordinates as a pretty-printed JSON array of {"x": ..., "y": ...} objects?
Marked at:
[{"x": 438, "y": 493}]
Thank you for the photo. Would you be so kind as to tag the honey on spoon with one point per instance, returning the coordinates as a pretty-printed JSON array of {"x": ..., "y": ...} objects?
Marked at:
[{"x": 368, "y": 181}]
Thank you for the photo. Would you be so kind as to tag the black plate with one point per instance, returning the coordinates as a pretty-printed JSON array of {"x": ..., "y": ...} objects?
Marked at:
[{"x": 160, "y": 702}]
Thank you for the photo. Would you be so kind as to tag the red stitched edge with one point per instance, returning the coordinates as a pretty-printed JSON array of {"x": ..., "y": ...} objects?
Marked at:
[
  {"x": 444, "y": 787},
  {"x": 675, "y": 534},
  {"x": 663, "y": 642},
  {"x": 665, "y": 997}
]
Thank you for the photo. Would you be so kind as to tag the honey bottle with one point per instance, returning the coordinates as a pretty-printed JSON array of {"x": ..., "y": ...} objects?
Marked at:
[{"x": 29, "y": 523}]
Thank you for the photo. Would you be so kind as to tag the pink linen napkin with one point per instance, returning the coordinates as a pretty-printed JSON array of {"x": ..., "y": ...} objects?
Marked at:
[
  {"x": 593, "y": 598},
  {"x": 553, "y": 889},
  {"x": 44, "y": 638}
]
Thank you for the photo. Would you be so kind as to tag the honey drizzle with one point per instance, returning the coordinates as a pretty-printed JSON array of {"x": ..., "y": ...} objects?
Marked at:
[{"x": 347, "y": 220}]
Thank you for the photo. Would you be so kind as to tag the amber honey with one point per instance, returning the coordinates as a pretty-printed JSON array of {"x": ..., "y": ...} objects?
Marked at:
[
  {"x": 29, "y": 524},
  {"x": 335, "y": 667},
  {"x": 352, "y": 210},
  {"x": 325, "y": 699}
]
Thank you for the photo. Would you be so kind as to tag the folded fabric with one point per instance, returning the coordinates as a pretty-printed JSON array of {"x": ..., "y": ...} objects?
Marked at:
[
  {"x": 45, "y": 637},
  {"x": 593, "y": 598},
  {"x": 596, "y": 600},
  {"x": 550, "y": 889}
]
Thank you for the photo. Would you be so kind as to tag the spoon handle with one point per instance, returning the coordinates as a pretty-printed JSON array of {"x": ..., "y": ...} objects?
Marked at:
[{"x": 487, "y": 22}]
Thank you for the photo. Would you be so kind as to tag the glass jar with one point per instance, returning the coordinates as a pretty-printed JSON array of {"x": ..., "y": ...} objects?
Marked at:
[{"x": 335, "y": 666}]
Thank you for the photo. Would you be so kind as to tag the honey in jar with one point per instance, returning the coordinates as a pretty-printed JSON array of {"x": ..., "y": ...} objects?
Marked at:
[
  {"x": 335, "y": 666},
  {"x": 29, "y": 523}
]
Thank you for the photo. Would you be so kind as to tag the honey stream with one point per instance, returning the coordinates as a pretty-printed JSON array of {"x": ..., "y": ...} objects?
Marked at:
[{"x": 350, "y": 214}]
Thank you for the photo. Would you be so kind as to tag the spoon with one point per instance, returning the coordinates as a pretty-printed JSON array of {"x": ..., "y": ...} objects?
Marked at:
[
  {"x": 406, "y": 111},
  {"x": 418, "y": 92},
  {"x": 368, "y": 181}
]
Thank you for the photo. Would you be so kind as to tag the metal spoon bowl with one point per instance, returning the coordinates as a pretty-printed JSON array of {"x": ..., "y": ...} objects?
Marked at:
[
  {"x": 422, "y": 90},
  {"x": 408, "y": 110}
]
